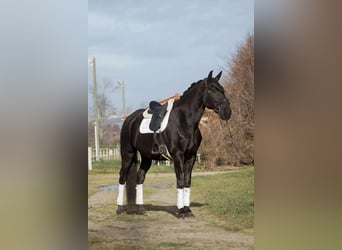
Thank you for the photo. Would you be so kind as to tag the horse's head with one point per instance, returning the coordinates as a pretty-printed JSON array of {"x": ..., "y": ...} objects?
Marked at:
[{"x": 215, "y": 98}]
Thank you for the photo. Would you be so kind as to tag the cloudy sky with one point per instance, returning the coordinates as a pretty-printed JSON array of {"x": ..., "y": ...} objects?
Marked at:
[{"x": 160, "y": 47}]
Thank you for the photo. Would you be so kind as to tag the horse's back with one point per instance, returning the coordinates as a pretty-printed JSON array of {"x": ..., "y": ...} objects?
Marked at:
[{"x": 133, "y": 117}]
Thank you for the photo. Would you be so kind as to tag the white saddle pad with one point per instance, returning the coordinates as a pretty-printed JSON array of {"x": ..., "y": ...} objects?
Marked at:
[{"x": 145, "y": 123}]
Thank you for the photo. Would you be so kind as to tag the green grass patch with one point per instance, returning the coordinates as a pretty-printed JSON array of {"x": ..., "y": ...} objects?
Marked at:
[
  {"x": 106, "y": 167},
  {"x": 113, "y": 167},
  {"x": 228, "y": 198}
]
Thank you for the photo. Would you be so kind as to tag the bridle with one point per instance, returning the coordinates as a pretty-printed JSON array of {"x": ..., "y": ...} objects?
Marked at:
[{"x": 217, "y": 105}]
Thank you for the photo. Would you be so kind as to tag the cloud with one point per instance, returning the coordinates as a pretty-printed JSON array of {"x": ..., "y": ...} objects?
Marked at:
[{"x": 176, "y": 41}]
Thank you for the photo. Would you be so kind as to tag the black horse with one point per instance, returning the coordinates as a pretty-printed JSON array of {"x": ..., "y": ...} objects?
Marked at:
[{"x": 182, "y": 138}]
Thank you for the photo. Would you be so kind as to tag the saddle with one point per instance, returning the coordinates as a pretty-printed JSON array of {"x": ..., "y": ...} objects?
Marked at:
[
  {"x": 158, "y": 112},
  {"x": 153, "y": 119}
]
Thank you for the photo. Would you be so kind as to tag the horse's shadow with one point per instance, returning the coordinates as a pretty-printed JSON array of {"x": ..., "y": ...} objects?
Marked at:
[{"x": 173, "y": 210}]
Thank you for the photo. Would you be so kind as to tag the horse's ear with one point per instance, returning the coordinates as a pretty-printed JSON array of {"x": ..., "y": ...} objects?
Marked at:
[
  {"x": 218, "y": 76},
  {"x": 210, "y": 75}
]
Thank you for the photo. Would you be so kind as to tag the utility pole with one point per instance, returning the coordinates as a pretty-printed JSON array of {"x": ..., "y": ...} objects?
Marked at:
[
  {"x": 122, "y": 84},
  {"x": 123, "y": 100},
  {"x": 96, "y": 113}
]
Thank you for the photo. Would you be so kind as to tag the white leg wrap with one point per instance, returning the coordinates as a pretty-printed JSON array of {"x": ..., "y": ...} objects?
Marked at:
[
  {"x": 120, "y": 199},
  {"x": 187, "y": 197},
  {"x": 140, "y": 197},
  {"x": 180, "y": 198}
]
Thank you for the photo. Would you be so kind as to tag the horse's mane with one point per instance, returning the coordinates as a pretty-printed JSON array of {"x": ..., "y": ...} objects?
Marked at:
[{"x": 191, "y": 87}]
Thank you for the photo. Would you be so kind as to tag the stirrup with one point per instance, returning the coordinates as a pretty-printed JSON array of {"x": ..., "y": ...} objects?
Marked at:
[
  {"x": 163, "y": 149},
  {"x": 155, "y": 149}
]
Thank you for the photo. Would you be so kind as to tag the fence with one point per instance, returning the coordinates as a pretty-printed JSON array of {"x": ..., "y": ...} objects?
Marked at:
[{"x": 104, "y": 154}]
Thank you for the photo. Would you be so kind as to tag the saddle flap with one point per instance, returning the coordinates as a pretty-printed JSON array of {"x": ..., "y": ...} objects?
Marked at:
[
  {"x": 155, "y": 122},
  {"x": 158, "y": 113}
]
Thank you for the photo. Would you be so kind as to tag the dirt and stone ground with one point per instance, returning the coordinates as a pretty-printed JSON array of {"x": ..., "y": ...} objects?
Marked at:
[{"x": 160, "y": 229}]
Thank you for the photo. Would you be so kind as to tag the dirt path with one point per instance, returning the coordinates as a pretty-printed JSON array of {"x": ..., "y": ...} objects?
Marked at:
[{"x": 160, "y": 229}]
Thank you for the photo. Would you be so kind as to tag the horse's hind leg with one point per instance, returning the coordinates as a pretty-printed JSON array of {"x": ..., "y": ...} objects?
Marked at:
[
  {"x": 128, "y": 173},
  {"x": 144, "y": 167}
]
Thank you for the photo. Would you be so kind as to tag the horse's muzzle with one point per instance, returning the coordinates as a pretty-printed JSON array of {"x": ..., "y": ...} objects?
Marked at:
[{"x": 224, "y": 111}]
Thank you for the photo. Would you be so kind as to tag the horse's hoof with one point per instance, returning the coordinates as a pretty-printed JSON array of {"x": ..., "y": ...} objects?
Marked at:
[
  {"x": 120, "y": 210},
  {"x": 181, "y": 213},
  {"x": 141, "y": 210},
  {"x": 188, "y": 212},
  {"x": 180, "y": 216}
]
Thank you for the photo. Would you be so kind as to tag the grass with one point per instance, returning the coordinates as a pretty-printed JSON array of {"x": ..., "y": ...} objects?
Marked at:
[
  {"x": 106, "y": 167},
  {"x": 96, "y": 181},
  {"x": 105, "y": 173},
  {"x": 113, "y": 167},
  {"x": 229, "y": 198}
]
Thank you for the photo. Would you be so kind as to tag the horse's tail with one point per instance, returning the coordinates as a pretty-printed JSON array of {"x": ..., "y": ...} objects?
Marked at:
[{"x": 131, "y": 183}]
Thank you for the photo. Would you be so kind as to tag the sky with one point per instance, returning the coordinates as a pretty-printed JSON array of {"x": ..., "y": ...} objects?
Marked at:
[{"x": 160, "y": 47}]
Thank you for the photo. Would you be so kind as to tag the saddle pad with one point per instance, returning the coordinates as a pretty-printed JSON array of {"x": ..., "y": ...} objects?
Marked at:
[{"x": 145, "y": 123}]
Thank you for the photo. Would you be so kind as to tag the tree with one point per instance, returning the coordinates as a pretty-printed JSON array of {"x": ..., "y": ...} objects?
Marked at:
[
  {"x": 232, "y": 143},
  {"x": 240, "y": 88},
  {"x": 105, "y": 107}
]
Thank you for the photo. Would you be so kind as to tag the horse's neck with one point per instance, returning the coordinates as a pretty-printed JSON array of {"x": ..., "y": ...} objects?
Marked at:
[{"x": 193, "y": 106}]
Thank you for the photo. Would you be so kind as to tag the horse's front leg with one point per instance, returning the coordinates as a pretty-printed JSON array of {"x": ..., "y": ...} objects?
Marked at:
[
  {"x": 179, "y": 170},
  {"x": 183, "y": 171},
  {"x": 187, "y": 184}
]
